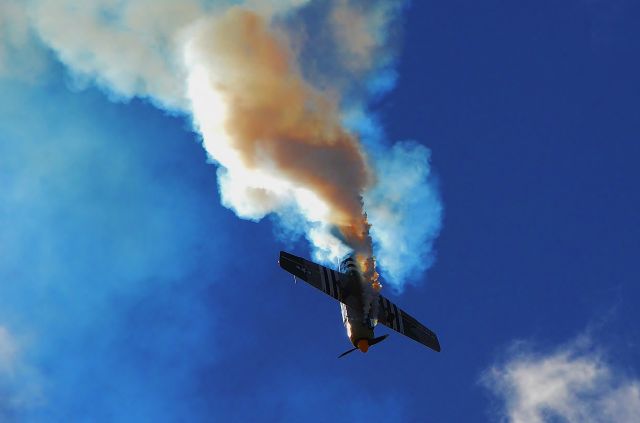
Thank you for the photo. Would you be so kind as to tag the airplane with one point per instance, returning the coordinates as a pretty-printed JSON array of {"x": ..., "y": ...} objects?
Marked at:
[{"x": 348, "y": 287}]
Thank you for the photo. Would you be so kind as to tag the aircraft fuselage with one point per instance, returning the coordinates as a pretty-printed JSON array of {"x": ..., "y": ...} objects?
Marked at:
[
  {"x": 362, "y": 305},
  {"x": 360, "y": 326}
]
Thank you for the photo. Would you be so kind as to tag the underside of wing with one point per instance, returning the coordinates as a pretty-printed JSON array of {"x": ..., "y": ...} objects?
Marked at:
[
  {"x": 393, "y": 317},
  {"x": 322, "y": 278}
]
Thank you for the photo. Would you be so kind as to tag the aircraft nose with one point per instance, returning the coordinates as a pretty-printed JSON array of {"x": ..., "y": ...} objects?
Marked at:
[{"x": 363, "y": 345}]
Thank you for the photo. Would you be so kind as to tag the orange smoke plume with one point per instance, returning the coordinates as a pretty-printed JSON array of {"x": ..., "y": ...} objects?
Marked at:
[
  {"x": 279, "y": 133},
  {"x": 268, "y": 86}
]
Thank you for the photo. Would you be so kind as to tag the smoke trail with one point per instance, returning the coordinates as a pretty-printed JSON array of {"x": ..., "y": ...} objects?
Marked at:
[
  {"x": 268, "y": 93},
  {"x": 277, "y": 138}
]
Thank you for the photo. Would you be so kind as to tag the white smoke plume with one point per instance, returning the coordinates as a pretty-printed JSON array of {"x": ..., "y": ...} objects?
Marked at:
[
  {"x": 267, "y": 85},
  {"x": 405, "y": 212}
]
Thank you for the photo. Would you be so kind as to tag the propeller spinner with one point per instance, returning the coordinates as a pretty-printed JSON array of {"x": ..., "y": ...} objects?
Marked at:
[{"x": 364, "y": 344}]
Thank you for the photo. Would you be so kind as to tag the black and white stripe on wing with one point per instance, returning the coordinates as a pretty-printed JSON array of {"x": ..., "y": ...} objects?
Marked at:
[{"x": 329, "y": 282}]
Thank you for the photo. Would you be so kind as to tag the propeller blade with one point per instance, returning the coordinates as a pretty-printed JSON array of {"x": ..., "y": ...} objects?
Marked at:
[
  {"x": 378, "y": 339},
  {"x": 347, "y": 352},
  {"x": 370, "y": 342}
]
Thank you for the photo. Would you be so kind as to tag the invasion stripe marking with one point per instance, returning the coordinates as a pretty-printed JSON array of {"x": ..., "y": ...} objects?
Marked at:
[
  {"x": 334, "y": 284},
  {"x": 329, "y": 282},
  {"x": 387, "y": 310},
  {"x": 391, "y": 311},
  {"x": 398, "y": 318},
  {"x": 396, "y": 315},
  {"x": 323, "y": 282}
]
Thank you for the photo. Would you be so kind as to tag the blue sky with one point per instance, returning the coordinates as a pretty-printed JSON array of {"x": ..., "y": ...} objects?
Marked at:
[{"x": 128, "y": 293}]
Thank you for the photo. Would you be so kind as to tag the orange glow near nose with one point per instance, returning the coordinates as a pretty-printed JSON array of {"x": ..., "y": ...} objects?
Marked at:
[{"x": 363, "y": 345}]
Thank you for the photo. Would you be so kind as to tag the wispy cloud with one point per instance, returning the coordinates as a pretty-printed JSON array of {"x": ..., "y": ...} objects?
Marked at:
[
  {"x": 20, "y": 383},
  {"x": 574, "y": 382}
]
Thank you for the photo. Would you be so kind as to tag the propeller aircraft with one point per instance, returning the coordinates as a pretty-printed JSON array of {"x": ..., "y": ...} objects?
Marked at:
[{"x": 362, "y": 307}]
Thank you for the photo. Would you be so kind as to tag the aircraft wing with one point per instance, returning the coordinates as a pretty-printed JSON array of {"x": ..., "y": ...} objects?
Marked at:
[
  {"x": 320, "y": 277},
  {"x": 393, "y": 317}
]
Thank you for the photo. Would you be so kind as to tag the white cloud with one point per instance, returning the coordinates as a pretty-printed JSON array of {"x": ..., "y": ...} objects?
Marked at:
[
  {"x": 8, "y": 351},
  {"x": 572, "y": 384},
  {"x": 20, "y": 385}
]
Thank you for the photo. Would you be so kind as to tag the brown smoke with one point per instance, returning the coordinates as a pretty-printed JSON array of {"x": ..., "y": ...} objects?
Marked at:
[
  {"x": 274, "y": 131},
  {"x": 279, "y": 122}
]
